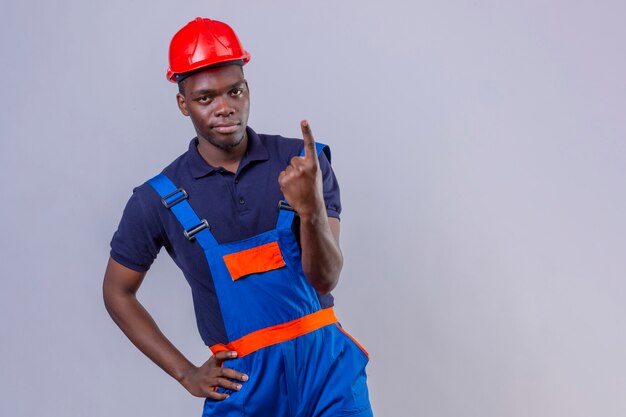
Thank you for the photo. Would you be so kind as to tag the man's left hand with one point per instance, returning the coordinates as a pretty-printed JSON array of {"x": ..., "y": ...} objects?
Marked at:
[{"x": 301, "y": 181}]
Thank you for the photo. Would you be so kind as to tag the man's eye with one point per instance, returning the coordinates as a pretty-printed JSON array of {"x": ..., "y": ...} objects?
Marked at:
[
  {"x": 236, "y": 92},
  {"x": 204, "y": 99}
]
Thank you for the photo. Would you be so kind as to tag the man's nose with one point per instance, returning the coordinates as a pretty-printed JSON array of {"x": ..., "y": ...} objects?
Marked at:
[{"x": 223, "y": 107}]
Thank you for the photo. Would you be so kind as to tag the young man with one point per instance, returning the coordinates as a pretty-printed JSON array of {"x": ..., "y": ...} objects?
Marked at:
[{"x": 252, "y": 221}]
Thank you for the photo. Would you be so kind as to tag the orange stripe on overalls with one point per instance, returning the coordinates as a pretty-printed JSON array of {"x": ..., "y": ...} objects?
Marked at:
[{"x": 280, "y": 333}]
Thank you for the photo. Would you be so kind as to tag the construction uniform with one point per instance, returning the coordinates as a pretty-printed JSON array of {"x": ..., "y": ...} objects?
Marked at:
[{"x": 255, "y": 299}]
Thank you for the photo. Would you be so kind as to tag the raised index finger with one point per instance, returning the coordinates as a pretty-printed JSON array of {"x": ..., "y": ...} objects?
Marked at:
[{"x": 309, "y": 143}]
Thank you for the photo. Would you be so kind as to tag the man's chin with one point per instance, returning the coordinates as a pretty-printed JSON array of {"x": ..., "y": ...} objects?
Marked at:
[{"x": 227, "y": 142}]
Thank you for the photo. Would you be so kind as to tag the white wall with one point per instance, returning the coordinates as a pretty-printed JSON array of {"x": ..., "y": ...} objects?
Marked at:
[{"x": 481, "y": 151}]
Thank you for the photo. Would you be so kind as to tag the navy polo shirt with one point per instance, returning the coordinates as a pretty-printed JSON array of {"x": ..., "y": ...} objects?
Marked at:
[{"x": 236, "y": 205}]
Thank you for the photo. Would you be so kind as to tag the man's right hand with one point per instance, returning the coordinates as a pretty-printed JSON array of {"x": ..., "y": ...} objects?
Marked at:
[{"x": 204, "y": 380}]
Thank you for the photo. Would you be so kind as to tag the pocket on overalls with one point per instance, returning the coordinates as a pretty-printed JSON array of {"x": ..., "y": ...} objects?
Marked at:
[
  {"x": 354, "y": 360},
  {"x": 354, "y": 341},
  {"x": 262, "y": 258}
]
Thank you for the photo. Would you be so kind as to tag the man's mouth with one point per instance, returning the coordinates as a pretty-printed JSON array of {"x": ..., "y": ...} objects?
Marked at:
[{"x": 226, "y": 128}]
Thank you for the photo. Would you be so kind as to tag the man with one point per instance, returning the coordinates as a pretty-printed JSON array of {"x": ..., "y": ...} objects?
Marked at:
[{"x": 260, "y": 276}]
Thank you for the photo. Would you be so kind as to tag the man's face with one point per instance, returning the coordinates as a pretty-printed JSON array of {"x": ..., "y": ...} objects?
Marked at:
[{"x": 218, "y": 102}]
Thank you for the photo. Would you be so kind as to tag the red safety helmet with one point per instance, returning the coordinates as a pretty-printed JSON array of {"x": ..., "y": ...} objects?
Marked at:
[{"x": 201, "y": 43}]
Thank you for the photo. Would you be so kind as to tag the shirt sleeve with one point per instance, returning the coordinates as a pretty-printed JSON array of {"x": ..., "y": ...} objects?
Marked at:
[
  {"x": 332, "y": 196},
  {"x": 139, "y": 236}
]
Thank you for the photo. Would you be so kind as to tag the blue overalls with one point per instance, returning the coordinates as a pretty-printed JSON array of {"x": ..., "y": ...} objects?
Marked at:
[{"x": 299, "y": 360}]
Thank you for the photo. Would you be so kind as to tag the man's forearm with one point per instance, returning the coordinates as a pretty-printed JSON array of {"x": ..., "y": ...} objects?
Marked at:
[
  {"x": 137, "y": 324},
  {"x": 321, "y": 256}
]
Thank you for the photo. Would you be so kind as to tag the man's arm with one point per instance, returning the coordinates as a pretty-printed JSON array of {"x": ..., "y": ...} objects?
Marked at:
[
  {"x": 119, "y": 290},
  {"x": 301, "y": 184}
]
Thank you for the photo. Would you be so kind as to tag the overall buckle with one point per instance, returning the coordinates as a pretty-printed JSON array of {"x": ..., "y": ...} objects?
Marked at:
[
  {"x": 283, "y": 205},
  {"x": 189, "y": 234},
  {"x": 180, "y": 195}
]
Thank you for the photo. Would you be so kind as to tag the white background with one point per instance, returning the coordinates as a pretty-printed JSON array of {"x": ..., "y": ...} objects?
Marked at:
[{"x": 480, "y": 147}]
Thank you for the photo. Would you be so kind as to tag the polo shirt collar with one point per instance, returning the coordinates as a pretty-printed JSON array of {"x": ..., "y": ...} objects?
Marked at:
[{"x": 256, "y": 152}]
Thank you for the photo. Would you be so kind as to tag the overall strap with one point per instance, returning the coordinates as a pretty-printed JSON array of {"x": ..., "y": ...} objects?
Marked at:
[
  {"x": 175, "y": 200},
  {"x": 285, "y": 212}
]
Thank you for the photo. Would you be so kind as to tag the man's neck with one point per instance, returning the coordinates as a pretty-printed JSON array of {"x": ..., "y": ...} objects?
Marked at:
[{"x": 228, "y": 158}]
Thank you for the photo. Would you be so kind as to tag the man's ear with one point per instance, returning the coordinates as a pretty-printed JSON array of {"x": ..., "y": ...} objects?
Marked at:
[{"x": 182, "y": 104}]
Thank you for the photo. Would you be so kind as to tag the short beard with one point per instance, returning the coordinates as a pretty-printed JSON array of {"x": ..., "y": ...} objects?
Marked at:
[{"x": 226, "y": 147}]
